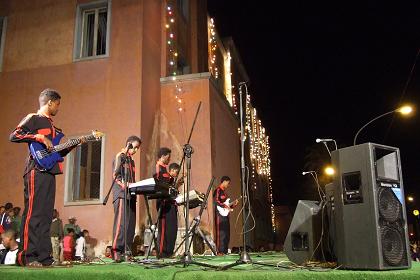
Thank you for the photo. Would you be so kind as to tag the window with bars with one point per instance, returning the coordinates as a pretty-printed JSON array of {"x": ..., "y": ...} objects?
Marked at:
[
  {"x": 92, "y": 30},
  {"x": 84, "y": 173}
]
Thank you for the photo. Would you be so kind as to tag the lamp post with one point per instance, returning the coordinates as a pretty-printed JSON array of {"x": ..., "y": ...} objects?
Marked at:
[{"x": 404, "y": 110}]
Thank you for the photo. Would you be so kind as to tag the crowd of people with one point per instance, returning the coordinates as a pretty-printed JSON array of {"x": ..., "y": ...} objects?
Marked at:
[{"x": 69, "y": 242}]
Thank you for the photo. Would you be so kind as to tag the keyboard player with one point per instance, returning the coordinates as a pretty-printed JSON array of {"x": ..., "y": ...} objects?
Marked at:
[{"x": 168, "y": 218}]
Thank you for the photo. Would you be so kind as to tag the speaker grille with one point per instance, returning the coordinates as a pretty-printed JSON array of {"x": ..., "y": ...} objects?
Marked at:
[
  {"x": 393, "y": 246},
  {"x": 389, "y": 205}
]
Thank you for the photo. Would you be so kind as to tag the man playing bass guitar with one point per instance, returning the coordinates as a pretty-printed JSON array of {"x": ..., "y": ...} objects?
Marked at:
[{"x": 39, "y": 183}]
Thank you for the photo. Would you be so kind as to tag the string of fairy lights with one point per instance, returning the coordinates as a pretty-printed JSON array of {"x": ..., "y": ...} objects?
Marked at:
[
  {"x": 259, "y": 148},
  {"x": 170, "y": 39},
  {"x": 259, "y": 151},
  {"x": 172, "y": 54},
  {"x": 212, "y": 48}
]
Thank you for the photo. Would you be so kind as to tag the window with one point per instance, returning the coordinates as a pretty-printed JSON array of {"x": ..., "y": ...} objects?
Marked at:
[
  {"x": 183, "y": 6},
  {"x": 84, "y": 173},
  {"x": 3, "y": 23},
  {"x": 182, "y": 66},
  {"x": 92, "y": 30}
]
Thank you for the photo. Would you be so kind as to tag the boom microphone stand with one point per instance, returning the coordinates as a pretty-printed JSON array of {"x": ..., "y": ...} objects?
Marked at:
[
  {"x": 188, "y": 151},
  {"x": 244, "y": 257}
]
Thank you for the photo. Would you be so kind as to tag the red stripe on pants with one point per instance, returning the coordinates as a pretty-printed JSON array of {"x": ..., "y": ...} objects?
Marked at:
[
  {"x": 31, "y": 190},
  {"x": 117, "y": 232}
]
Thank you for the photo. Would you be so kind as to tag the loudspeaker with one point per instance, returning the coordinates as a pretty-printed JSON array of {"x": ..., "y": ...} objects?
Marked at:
[
  {"x": 369, "y": 216},
  {"x": 304, "y": 233}
]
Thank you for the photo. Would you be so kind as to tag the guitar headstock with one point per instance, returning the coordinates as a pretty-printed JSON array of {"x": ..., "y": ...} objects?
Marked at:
[{"x": 97, "y": 134}]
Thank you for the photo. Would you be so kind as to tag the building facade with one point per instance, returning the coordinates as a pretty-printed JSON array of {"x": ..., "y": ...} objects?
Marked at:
[{"x": 123, "y": 67}]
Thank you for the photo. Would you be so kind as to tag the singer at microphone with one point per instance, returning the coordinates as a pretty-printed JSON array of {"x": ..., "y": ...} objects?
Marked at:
[{"x": 124, "y": 173}]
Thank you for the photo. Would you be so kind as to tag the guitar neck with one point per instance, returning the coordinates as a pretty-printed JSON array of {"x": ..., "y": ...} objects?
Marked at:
[
  {"x": 71, "y": 143},
  {"x": 234, "y": 201}
]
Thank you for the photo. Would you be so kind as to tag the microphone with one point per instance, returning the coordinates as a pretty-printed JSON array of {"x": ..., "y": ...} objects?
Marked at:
[{"x": 318, "y": 140}]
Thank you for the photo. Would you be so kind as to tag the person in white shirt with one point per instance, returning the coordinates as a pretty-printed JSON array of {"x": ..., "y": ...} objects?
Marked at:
[
  {"x": 80, "y": 254},
  {"x": 9, "y": 242}
]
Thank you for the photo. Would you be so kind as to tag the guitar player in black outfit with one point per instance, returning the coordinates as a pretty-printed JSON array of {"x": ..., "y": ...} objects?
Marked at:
[
  {"x": 222, "y": 224},
  {"x": 39, "y": 184}
]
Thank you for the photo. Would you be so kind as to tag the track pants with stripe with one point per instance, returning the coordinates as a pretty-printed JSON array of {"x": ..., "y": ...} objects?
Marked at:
[
  {"x": 118, "y": 230},
  {"x": 39, "y": 197},
  {"x": 222, "y": 233},
  {"x": 168, "y": 227}
]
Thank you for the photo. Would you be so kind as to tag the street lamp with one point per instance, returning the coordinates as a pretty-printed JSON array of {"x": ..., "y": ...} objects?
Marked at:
[
  {"x": 404, "y": 110},
  {"x": 410, "y": 198},
  {"x": 330, "y": 171}
]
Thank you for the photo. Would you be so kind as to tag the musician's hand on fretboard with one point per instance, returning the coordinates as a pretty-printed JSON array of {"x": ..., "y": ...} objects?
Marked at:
[{"x": 83, "y": 139}]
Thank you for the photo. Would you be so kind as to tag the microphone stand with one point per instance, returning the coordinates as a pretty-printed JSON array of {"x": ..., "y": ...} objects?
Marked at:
[
  {"x": 122, "y": 167},
  {"x": 244, "y": 256},
  {"x": 195, "y": 228},
  {"x": 187, "y": 258}
]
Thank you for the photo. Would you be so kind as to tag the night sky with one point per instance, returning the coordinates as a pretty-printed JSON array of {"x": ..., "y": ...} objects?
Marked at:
[{"x": 323, "y": 70}]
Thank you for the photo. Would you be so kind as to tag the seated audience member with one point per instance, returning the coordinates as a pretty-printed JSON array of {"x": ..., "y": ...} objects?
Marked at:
[
  {"x": 108, "y": 252},
  {"x": 72, "y": 224},
  {"x": 68, "y": 245},
  {"x": 80, "y": 254},
  {"x": 17, "y": 220},
  {"x": 5, "y": 219},
  {"x": 415, "y": 252},
  {"x": 11, "y": 247}
]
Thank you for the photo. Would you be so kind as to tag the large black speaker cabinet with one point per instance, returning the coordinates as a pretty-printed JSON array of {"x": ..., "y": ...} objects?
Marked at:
[
  {"x": 304, "y": 233},
  {"x": 369, "y": 216}
]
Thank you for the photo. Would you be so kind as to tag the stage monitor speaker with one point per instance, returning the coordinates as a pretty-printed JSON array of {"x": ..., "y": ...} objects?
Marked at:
[
  {"x": 304, "y": 233},
  {"x": 369, "y": 214}
]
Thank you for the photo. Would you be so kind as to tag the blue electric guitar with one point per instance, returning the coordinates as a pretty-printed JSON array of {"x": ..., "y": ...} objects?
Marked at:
[{"x": 47, "y": 159}]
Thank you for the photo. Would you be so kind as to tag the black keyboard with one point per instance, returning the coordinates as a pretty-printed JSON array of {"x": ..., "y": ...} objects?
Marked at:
[{"x": 152, "y": 188}]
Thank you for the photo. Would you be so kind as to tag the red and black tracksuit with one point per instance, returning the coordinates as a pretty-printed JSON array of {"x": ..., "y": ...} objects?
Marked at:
[
  {"x": 39, "y": 192},
  {"x": 168, "y": 219},
  {"x": 123, "y": 163},
  {"x": 221, "y": 224}
]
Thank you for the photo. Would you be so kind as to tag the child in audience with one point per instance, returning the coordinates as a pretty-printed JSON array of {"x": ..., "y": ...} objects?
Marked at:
[
  {"x": 80, "y": 254},
  {"x": 68, "y": 245}
]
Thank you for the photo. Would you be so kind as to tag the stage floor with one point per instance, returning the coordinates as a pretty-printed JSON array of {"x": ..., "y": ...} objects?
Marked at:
[{"x": 113, "y": 271}]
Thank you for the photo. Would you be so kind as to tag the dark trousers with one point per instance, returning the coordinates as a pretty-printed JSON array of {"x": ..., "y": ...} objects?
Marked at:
[
  {"x": 222, "y": 233},
  {"x": 39, "y": 197},
  {"x": 168, "y": 227},
  {"x": 118, "y": 230}
]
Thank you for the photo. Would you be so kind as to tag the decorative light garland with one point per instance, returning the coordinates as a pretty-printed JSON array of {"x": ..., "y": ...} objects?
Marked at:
[
  {"x": 212, "y": 48},
  {"x": 259, "y": 148},
  {"x": 171, "y": 42},
  {"x": 259, "y": 151}
]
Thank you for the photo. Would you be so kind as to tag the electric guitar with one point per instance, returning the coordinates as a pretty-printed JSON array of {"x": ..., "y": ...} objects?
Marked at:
[
  {"x": 225, "y": 211},
  {"x": 47, "y": 159}
]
